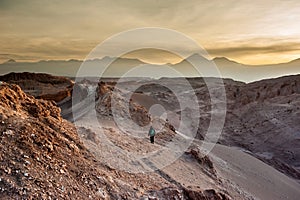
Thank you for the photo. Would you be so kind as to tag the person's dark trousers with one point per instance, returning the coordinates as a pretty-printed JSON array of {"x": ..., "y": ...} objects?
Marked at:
[{"x": 152, "y": 139}]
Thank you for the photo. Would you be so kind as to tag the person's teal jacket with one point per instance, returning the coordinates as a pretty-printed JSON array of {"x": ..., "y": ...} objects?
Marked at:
[{"x": 151, "y": 132}]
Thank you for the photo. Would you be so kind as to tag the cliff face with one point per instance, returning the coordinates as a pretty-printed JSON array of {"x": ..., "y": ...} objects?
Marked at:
[
  {"x": 264, "y": 119},
  {"x": 267, "y": 89}
]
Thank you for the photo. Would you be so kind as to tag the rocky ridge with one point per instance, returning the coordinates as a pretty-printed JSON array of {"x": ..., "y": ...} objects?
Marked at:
[
  {"x": 104, "y": 95},
  {"x": 41, "y": 86}
]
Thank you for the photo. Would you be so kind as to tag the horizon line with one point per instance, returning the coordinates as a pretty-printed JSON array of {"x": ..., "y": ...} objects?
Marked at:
[{"x": 13, "y": 61}]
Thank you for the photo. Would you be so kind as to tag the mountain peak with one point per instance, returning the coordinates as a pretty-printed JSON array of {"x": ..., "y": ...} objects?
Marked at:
[
  {"x": 224, "y": 60},
  {"x": 195, "y": 56},
  {"x": 11, "y": 61},
  {"x": 295, "y": 61},
  {"x": 221, "y": 59},
  {"x": 73, "y": 60}
]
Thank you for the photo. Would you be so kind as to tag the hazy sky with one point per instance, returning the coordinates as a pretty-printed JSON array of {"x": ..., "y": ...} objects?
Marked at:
[{"x": 247, "y": 31}]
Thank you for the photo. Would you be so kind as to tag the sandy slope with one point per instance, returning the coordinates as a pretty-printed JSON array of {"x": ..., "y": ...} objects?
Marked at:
[{"x": 253, "y": 175}]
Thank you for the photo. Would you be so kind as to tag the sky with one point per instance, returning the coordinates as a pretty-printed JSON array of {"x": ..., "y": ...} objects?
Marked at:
[{"x": 247, "y": 31}]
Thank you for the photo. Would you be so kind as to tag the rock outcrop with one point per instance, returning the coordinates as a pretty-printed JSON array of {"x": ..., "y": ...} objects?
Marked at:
[
  {"x": 125, "y": 108},
  {"x": 41, "y": 154},
  {"x": 41, "y": 86},
  {"x": 204, "y": 160},
  {"x": 263, "y": 119},
  {"x": 261, "y": 91}
]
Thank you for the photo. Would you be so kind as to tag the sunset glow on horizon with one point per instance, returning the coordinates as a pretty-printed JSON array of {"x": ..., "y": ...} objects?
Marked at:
[{"x": 248, "y": 32}]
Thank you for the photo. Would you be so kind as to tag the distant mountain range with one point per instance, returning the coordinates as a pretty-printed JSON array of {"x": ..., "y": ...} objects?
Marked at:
[{"x": 120, "y": 66}]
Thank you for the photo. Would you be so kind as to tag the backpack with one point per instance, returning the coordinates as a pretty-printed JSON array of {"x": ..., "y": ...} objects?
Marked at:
[{"x": 152, "y": 132}]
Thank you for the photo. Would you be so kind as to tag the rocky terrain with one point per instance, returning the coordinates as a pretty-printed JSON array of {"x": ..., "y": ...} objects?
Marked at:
[
  {"x": 53, "y": 88},
  {"x": 262, "y": 117},
  {"x": 43, "y": 156},
  {"x": 106, "y": 92},
  {"x": 264, "y": 120},
  {"x": 41, "y": 86}
]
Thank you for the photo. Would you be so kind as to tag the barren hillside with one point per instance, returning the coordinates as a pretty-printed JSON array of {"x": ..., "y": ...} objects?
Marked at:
[{"x": 42, "y": 157}]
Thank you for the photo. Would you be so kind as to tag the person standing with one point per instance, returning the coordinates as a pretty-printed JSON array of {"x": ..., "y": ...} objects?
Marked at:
[{"x": 151, "y": 134}]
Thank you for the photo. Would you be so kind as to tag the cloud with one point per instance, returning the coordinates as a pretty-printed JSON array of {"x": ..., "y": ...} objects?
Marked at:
[
  {"x": 57, "y": 29},
  {"x": 268, "y": 49},
  {"x": 34, "y": 49}
]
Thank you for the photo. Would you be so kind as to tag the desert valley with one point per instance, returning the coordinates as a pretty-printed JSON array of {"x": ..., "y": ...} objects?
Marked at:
[
  {"x": 150, "y": 100},
  {"x": 53, "y": 147}
]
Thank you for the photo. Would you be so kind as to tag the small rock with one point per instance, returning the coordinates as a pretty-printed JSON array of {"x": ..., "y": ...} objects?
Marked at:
[
  {"x": 101, "y": 193},
  {"x": 26, "y": 174},
  {"x": 8, "y": 132},
  {"x": 8, "y": 170}
]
